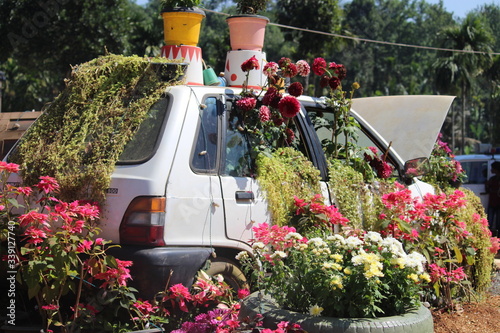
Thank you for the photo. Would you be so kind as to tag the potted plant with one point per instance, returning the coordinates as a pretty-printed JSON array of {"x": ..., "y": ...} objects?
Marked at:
[
  {"x": 181, "y": 21},
  {"x": 247, "y": 29}
]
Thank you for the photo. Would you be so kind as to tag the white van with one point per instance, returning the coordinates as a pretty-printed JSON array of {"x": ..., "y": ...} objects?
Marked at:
[
  {"x": 182, "y": 189},
  {"x": 478, "y": 170}
]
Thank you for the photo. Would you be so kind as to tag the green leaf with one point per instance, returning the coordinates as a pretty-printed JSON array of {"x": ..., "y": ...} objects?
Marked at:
[{"x": 458, "y": 254}]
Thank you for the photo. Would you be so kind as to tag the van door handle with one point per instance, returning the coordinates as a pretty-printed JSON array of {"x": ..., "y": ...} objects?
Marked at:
[{"x": 244, "y": 195}]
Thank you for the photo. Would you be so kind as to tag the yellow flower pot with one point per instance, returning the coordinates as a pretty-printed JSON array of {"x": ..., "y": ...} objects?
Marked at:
[{"x": 181, "y": 26}]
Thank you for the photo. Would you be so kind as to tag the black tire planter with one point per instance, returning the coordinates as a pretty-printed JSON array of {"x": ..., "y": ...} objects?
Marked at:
[{"x": 415, "y": 321}]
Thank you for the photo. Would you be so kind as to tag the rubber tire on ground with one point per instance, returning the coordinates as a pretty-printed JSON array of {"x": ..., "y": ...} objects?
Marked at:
[
  {"x": 233, "y": 276},
  {"x": 416, "y": 321}
]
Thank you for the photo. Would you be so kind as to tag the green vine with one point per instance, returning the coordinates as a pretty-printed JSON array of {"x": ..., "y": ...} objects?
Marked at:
[
  {"x": 480, "y": 264},
  {"x": 287, "y": 172},
  {"x": 81, "y": 135},
  {"x": 356, "y": 199}
]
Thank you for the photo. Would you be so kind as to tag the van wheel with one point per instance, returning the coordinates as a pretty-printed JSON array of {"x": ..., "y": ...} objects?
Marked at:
[{"x": 233, "y": 276}]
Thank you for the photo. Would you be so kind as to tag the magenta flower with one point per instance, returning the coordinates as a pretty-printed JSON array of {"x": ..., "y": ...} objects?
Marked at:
[
  {"x": 289, "y": 106},
  {"x": 264, "y": 113},
  {"x": 48, "y": 184},
  {"x": 246, "y": 103},
  {"x": 319, "y": 66}
]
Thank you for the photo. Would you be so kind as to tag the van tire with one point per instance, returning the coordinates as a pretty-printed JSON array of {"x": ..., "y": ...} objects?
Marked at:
[{"x": 232, "y": 274}]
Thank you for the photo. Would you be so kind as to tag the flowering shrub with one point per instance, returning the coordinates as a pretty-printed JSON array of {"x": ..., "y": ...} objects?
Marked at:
[
  {"x": 436, "y": 228},
  {"x": 59, "y": 259},
  {"x": 443, "y": 169},
  {"x": 354, "y": 276},
  {"x": 265, "y": 116}
]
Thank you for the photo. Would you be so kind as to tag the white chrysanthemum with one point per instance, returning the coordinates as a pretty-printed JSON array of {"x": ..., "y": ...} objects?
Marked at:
[
  {"x": 353, "y": 242},
  {"x": 315, "y": 310},
  {"x": 373, "y": 237},
  {"x": 336, "y": 239},
  {"x": 258, "y": 245},
  {"x": 242, "y": 255},
  {"x": 279, "y": 254},
  {"x": 392, "y": 245},
  {"x": 317, "y": 242},
  {"x": 293, "y": 235},
  {"x": 416, "y": 260}
]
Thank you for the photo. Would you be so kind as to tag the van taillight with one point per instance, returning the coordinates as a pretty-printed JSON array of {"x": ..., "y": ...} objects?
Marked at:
[{"x": 143, "y": 222}]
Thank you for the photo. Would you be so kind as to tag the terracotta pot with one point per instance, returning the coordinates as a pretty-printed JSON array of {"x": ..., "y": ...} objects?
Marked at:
[
  {"x": 181, "y": 26},
  {"x": 415, "y": 321},
  {"x": 246, "y": 32}
]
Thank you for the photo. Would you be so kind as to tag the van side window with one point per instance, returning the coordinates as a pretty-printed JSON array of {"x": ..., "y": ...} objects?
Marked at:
[
  {"x": 477, "y": 171},
  {"x": 321, "y": 119},
  {"x": 143, "y": 144},
  {"x": 237, "y": 162},
  {"x": 204, "y": 156}
]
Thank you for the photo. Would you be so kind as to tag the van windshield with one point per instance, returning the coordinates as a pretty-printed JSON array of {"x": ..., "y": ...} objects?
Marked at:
[{"x": 143, "y": 144}]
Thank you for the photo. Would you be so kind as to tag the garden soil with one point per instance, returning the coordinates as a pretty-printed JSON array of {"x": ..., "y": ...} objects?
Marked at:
[{"x": 483, "y": 317}]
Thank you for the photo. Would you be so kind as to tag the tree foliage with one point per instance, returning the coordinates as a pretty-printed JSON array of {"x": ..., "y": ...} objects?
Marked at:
[{"x": 43, "y": 39}]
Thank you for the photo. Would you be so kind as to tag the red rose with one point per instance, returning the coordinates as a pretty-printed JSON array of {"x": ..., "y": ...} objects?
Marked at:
[
  {"x": 296, "y": 89},
  {"x": 289, "y": 106}
]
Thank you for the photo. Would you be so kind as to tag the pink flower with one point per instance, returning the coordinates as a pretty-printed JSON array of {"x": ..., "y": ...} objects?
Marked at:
[
  {"x": 9, "y": 167},
  {"x": 35, "y": 235},
  {"x": 295, "y": 89},
  {"x": 85, "y": 245},
  {"x": 289, "y": 106},
  {"x": 33, "y": 218},
  {"x": 48, "y": 184},
  {"x": 52, "y": 307},
  {"x": 303, "y": 68},
  {"x": 270, "y": 69},
  {"x": 264, "y": 113},
  {"x": 25, "y": 190},
  {"x": 242, "y": 293},
  {"x": 250, "y": 64},
  {"x": 319, "y": 66},
  {"x": 246, "y": 103}
]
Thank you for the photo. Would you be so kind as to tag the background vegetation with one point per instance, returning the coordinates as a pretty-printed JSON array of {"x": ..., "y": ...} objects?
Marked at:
[{"x": 42, "y": 39}]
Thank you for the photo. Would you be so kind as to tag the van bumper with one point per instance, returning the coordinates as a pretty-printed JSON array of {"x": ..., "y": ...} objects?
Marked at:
[{"x": 155, "y": 268}]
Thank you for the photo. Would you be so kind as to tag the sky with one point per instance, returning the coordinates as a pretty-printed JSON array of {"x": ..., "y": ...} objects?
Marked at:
[{"x": 459, "y": 7}]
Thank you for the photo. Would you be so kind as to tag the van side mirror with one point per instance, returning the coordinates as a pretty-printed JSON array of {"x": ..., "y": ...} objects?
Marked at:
[{"x": 416, "y": 167}]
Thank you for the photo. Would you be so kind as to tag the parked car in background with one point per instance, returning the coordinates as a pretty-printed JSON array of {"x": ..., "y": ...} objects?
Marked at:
[{"x": 478, "y": 170}]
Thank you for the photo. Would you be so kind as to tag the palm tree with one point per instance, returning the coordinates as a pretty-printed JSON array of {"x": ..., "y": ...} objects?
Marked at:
[{"x": 456, "y": 70}]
